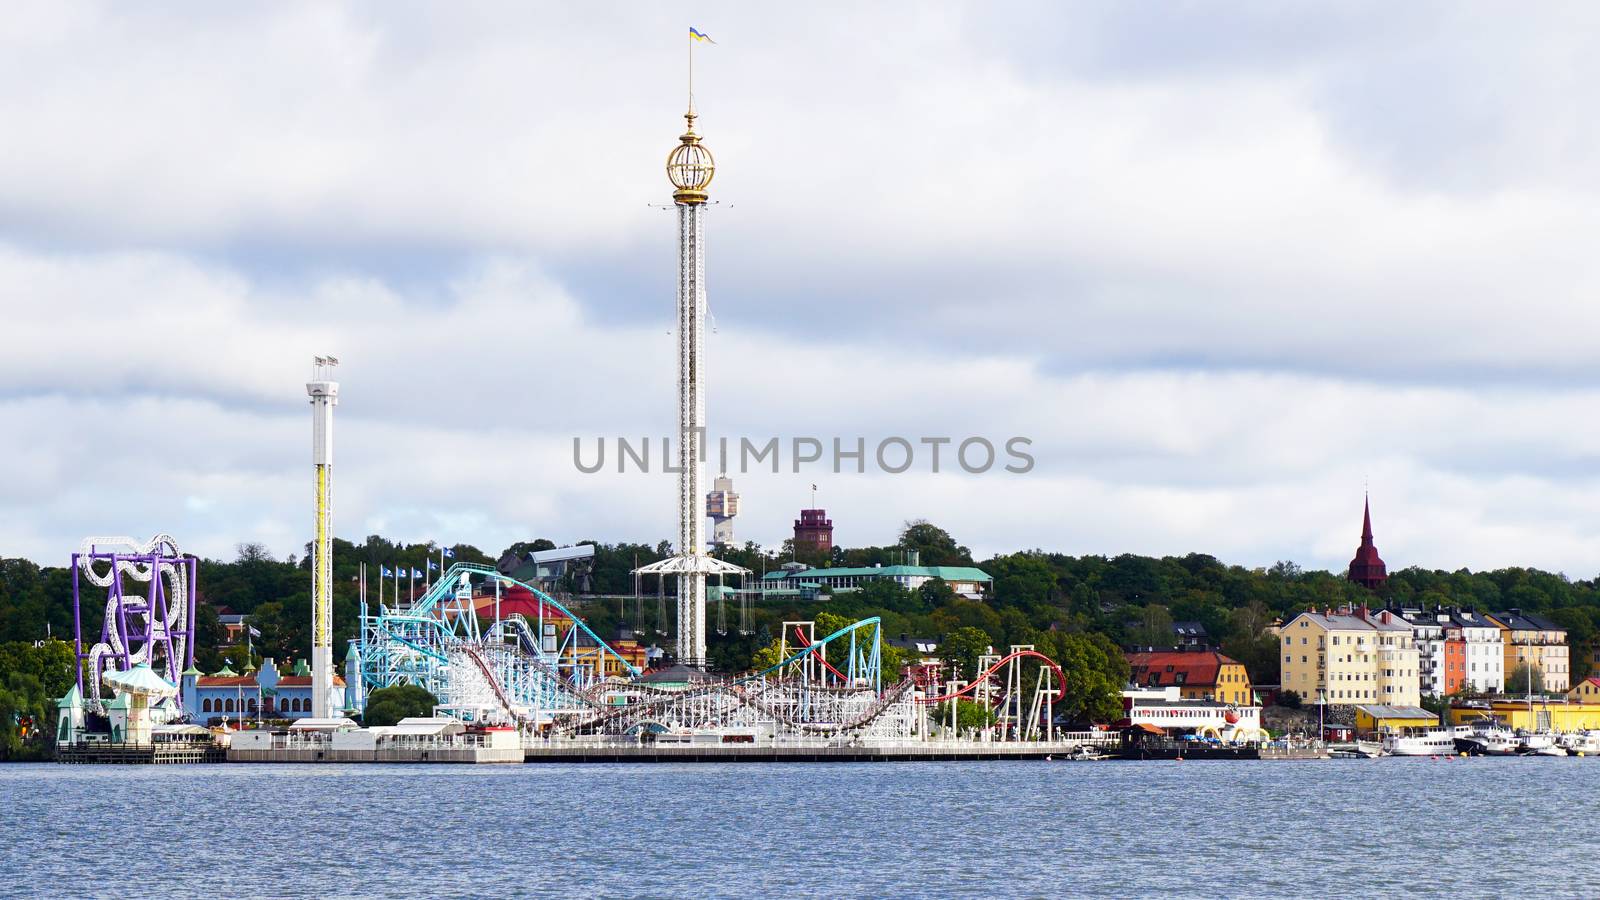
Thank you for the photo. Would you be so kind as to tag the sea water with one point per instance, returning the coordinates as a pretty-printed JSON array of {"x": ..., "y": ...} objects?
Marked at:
[{"x": 1348, "y": 828}]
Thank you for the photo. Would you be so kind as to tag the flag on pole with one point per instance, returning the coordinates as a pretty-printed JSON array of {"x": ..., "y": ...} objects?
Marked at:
[
  {"x": 448, "y": 553},
  {"x": 433, "y": 566},
  {"x": 383, "y": 572},
  {"x": 415, "y": 574},
  {"x": 699, "y": 35}
]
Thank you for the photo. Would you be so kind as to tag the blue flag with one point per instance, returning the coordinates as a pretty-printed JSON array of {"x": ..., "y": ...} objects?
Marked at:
[
  {"x": 383, "y": 572},
  {"x": 449, "y": 554},
  {"x": 415, "y": 574},
  {"x": 432, "y": 566}
]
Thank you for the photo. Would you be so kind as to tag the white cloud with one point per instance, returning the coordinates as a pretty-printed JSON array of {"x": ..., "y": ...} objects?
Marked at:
[{"x": 1219, "y": 282}]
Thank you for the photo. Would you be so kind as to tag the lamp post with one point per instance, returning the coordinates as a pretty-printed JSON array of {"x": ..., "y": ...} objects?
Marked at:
[{"x": 1322, "y": 708}]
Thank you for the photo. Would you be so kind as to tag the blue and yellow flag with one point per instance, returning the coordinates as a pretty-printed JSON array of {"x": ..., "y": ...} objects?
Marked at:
[{"x": 700, "y": 35}]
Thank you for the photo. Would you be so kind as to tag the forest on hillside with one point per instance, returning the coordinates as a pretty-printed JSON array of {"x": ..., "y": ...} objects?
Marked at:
[{"x": 1127, "y": 600}]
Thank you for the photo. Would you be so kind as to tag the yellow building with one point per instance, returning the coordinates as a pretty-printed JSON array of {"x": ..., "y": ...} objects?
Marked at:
[
  {"x": 1350, "y": 657},
  {"x": 1377, "y": 717},
  {"x": 1545, "y": 715},
  {"x": 1536, "y": 640},
  {"x": 1585, "y": 691}
]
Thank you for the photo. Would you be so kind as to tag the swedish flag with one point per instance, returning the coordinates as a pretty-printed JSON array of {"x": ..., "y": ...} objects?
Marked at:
[{"x": 699, "y": 35}]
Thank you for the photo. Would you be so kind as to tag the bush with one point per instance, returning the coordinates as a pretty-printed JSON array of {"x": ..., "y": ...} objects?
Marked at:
[
  {"x": 387, "y": 706},
  {"x": 1291, "y": 699}
]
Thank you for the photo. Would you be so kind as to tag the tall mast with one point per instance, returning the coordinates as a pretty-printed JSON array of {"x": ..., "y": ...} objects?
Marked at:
[{"x": 690, "y": 168}]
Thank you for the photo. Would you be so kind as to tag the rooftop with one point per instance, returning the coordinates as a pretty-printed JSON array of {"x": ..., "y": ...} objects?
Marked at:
[
  {"x": 1379, "y": 711},
  {"x": 948, "y": 573},
  {"x": 1517, "y": 620},
  {"x": 1186, "y": 668}
]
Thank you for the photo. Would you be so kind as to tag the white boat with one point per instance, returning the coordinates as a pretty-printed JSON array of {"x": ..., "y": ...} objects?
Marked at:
[
  {"x": 1490, "y": 739},
  {"x": 1433, "y": 742},
  {"x": 1538, "y": 742},
  {"x": 1586, "y": 743},
  {"x": 1551, "y": 750}
]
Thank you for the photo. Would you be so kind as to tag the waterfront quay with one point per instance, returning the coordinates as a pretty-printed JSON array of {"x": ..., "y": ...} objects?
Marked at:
[
  {"x": 106, "y": 753},
  {"x": 611, "y": 751},
  {"x": 413, "y": 741}
]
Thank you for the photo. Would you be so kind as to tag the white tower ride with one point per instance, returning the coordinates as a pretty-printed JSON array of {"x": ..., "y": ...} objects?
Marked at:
[
  {"x": 324, "y": 397},
  {"x": 722, "y": 504},
  {"x": 689, "y": 168}
]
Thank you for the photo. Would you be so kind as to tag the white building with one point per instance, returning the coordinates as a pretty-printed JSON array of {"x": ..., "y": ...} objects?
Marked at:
[
  {"x": 1484, "y": 651},
  {"x": 1428, "y": 630},
  {"x": 1167, "y": 709},
  {"x": 1450, "y": 638}
]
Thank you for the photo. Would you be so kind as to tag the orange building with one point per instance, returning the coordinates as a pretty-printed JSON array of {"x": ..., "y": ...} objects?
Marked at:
[{"x": 1455, "y": 665}]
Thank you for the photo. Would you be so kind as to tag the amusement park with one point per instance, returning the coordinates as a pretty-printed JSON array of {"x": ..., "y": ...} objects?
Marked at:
[{"x": 516, "y": 674}]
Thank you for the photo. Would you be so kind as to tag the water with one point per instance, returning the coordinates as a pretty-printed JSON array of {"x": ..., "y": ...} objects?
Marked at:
[{"x": 1474, "y": 827}]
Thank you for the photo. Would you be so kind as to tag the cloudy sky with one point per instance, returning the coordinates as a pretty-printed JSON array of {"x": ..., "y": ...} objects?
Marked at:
[{"x": 1224, "y": 265}]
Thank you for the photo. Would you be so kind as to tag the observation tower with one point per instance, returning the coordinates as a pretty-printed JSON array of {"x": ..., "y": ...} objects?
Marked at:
[
  {"x": 324, "y": 394},
  {"x": 690, "y": 168}
]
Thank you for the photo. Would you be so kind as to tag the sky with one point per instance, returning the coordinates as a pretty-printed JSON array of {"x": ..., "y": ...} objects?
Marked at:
[{"x": 1225, "y": 266}]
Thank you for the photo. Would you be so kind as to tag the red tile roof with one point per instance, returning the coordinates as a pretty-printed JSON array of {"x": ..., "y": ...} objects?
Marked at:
[
  {"x": 213, "y": 681},
  {"x": 305, "y": 681},
  {"x": 1198, "y": 667}
]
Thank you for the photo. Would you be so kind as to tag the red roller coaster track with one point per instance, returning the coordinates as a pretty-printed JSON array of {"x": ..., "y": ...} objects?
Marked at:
[
  {"x": 804, "y": 643},
  {"x": 1061, "y": 677}
]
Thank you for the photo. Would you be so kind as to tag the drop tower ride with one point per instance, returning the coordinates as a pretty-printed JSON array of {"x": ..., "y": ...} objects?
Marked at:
[{"x": 324, "y": 394}]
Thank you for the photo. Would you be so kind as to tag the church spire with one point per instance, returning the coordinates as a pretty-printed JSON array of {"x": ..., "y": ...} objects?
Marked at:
[{"x": 1368, "y": 568}]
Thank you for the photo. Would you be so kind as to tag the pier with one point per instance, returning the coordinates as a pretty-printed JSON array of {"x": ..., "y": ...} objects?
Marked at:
[
  {"x": 909, "y": 751},
  {"x": 106, "y": 753}
]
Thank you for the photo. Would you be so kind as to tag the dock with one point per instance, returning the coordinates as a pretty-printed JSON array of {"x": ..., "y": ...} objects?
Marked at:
[
  {"x": 424, "y": 741},
  {"x": 104, "y": 753},
  {"x": 686, "y": 752}
]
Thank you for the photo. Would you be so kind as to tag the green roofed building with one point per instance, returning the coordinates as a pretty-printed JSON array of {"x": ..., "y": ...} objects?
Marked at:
[{"x": 967, "y": 581}]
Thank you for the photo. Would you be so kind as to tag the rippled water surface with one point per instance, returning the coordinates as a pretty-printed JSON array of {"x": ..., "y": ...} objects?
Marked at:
[{"x": 1475, "y": 827}]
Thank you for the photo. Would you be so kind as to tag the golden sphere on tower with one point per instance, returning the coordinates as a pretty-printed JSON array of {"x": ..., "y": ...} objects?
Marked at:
[{"x": 690, "y": 167}]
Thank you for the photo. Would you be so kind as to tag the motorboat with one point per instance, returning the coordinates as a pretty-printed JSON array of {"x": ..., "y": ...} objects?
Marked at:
[
  {"x": 1586, "y": 743},
  {"x": 1433, "y": 742},
  {"x": 1537, "y": 742},
  {"x": 1488, "y": 738}
]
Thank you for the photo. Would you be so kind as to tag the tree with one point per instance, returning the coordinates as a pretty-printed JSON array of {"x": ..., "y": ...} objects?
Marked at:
[
  {"x": 387, "y": 706},
  {"x": 1095, "y": 671},
  {"x": 970, "y": 714},
  {"x": 934, "y": 593},
  {"x": 1155, "y": 628},
  {"x": 934, "y": 545},
  {"x": 1525, "y": 678},
  {"x": 960, "y": 650},
  {"x": 32, "y": 678},
  {"x": 766, "y": 657},
  {"x": 1022, "y": 579}
]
